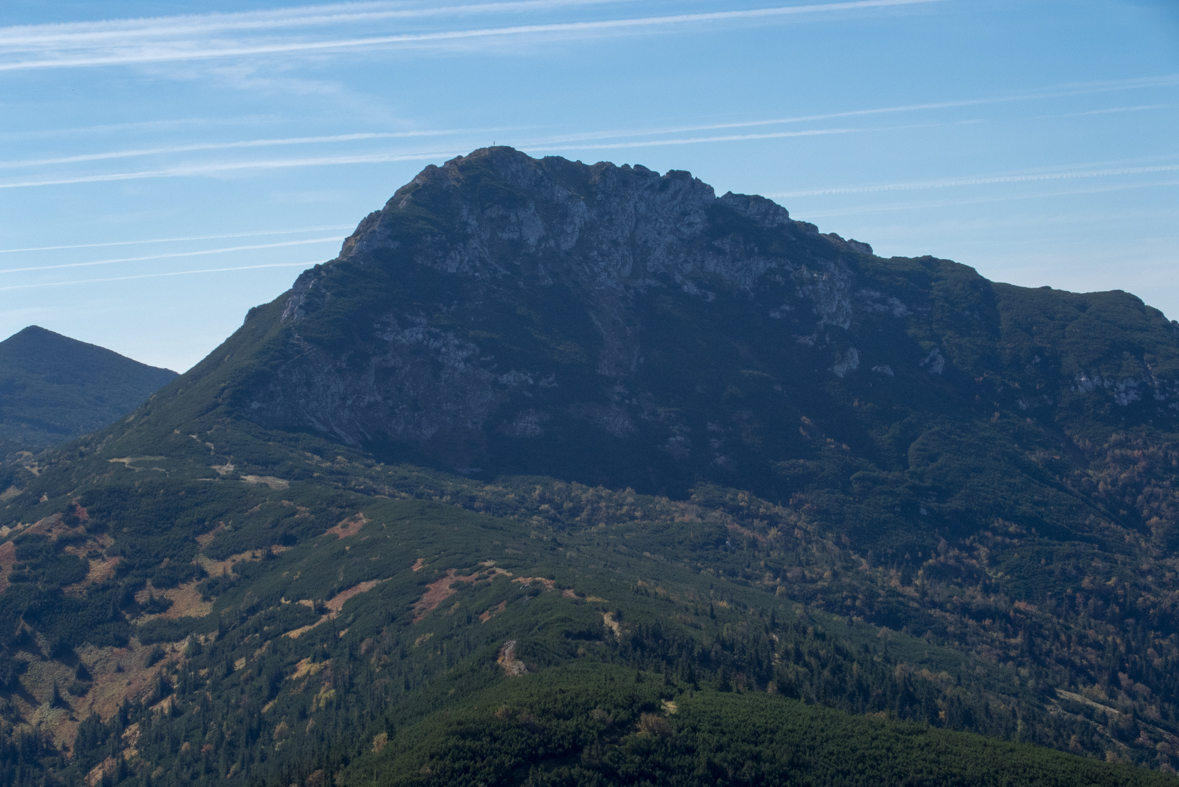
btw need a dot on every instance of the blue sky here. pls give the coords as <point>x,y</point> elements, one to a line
<point>165,166</point>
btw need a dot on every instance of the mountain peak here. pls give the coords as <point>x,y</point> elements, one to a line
<point>854,461</point>
<point>561,212</point>
<point>53,388</point>
<point>500,309</point>
<point>34,334</point>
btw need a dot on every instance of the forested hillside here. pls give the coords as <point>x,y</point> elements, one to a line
<point>582,475</point>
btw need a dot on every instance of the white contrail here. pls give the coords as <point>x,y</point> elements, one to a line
<point>550,142</point>
<point>178,240</point>
<point>387,157</point>
<point>173,255</point>
<point>699,140</point>
<point>172,52</point>
<point>142,125</point>
<point>393,157</point>
<point>248,143</point>
<point>541,146</point>
<point>1109,111</point>
<point>1061,91</point>
<point>82,33</point>
<point>158,275</point>
<point>213,169</point>
<point>893,207</point>
<point>983,181</point>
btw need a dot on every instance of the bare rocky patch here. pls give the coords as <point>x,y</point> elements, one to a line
<point>491,613</point>
<point>335,604</point>
<point>186,602</point>
<point>116,675</point>
<point>511,665</point>
<point>267,480</point>
<point>350,526</point>
<point>218,568</point>
<point>439,591</point>
<point>609,622</point>
<point>7,561</point>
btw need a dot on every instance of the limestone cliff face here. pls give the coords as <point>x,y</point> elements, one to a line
<point>509,314</point>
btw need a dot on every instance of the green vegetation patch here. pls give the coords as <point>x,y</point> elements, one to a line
<point>613,726</point>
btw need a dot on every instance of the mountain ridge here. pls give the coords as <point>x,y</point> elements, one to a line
<point>54,388</point>
<point>512,334</point>
<point>945,501</point>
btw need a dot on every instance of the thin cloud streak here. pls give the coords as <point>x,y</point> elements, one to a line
<point>171,52</point>
<point>699,140</point>
<point>734,137</point>
<point>892,207</point>
<point>143,125</point>
<point>214,169</point>
<point>158,275</point>
<point>179,240</point>
<point>548,143</point>
<point>250,143</point>
<point>380,158</point>
<point>390,157</point>
<point>173,255</point>
<point>1110,111</point>
<point>940,184</point>
<point>537,146</point>
<point>540,146</point>
<point>307,16</point>
<point>1062,91</point>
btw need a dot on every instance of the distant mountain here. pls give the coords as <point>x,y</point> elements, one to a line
<point>608,325</point>
<point>53,388</point>
<point>567,474</point>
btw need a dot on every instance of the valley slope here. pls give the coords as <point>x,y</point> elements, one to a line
<point>550,430</point>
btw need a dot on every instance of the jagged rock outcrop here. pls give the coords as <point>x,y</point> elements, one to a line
<point>508,314</point>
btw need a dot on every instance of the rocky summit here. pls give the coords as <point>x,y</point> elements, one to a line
<point>610,325</point>
<point>527,306</point>
<point>563,474</point>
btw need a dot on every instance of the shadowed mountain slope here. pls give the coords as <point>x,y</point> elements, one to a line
<point>53,388</point>
<point>607,325</point>
<point>569,474</point>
